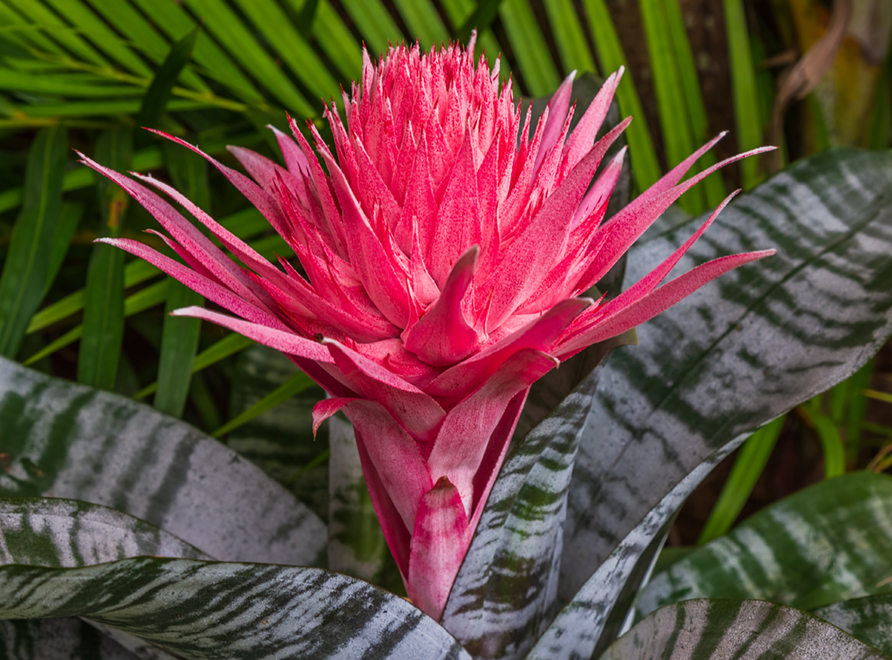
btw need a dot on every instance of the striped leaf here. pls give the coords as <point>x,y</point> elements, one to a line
<point>748,467</point>
<point>869,619</point>
<point>68,533</point>
<point>207,610</point>
<point>593,618</point>
<point>506,586</point>
<point>744,349</point>
<point>713,629</point>
<point>76,442</point>
<point>827,543</point>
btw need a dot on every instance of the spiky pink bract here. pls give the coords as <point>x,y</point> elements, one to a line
<point>444,254</point>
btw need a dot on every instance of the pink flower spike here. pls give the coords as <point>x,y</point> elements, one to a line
<point>601,190</point>
<point>463,378</point>
<point>657,301</point>
<point>627,225</point>
<point>295,160</point>
<point>286,342</point>
<point>197,282</point>
<point>328,407</point>
<point>583,136</point>
<point>558,107</point>
<point>440,540</point>
<point>441,242</point>
<point>650,281</point>
<point>248,188</point>
<point>676,174</point>
<point>417,411</point>
<point>442,336</point>
<point>398,462</point>
<point>192,240</point>
<point>456,451</point>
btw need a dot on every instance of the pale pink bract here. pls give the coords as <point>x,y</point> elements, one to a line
<point>443,262</point>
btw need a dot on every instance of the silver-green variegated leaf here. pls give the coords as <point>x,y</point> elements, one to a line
<point>68,533</point>
<point>507,583</point>
<point>743,349</point>
<point>869,619</point>
<point>752,629</point>
<point>209,610</point>
<point>75,442</point>
<point>583,625</point>
<point>827,543</point>
<point>66,638</point>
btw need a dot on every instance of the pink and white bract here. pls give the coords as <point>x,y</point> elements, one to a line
<point>444,263</point>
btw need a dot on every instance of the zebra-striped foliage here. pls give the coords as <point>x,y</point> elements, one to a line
<point>869,619</point>
<point>743,350</point>
<point>68,533</point>
<point>582,626</point>
<point>202,610</point>
<point>752,629</point>
<point>71,441</point>
<point>827,543</point>
<point>280,440</point>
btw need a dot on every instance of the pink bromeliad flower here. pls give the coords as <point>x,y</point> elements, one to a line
<point>444,260</point>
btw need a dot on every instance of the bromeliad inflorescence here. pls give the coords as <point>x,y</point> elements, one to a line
<point>444,263</point>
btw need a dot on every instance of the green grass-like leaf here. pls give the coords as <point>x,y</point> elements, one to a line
<point>23,282</point>
<point>534,63</point>
<point>423,22</point>
<point>103,327</point>
<point>375,23</point>
<point>645,167</point>
<point>156,98</point>
<point>133,304</point>
<point>570,38</point>
<point>747,110</point>
<point>285,391</point>
<point>229,345</point>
